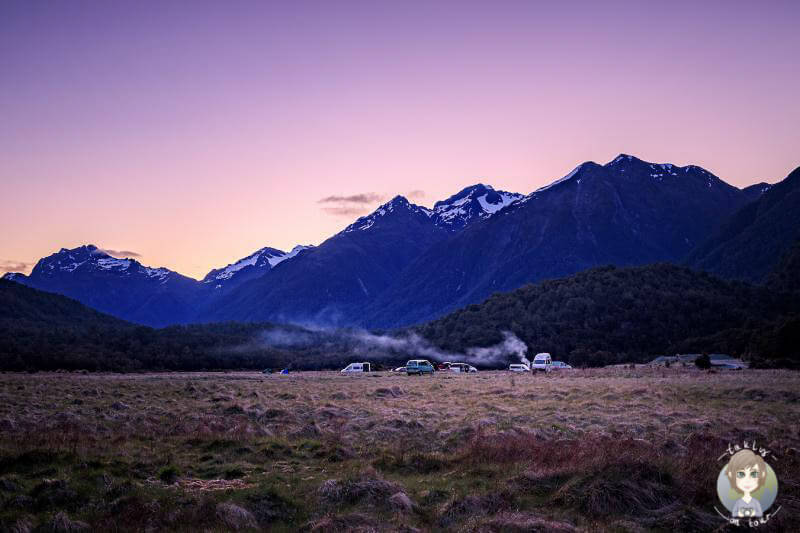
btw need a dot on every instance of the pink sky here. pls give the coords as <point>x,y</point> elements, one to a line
<point>197,133</point>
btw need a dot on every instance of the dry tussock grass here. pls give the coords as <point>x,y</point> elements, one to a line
<point>592,449</point>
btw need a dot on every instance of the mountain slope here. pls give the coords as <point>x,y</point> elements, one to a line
<point>46,331</point>
<point>756,237</point>
<point>23,305</point>
<point>611,315</point>
<point>627,212</point>
<point>786,276</point>
<point>754,191</point>
<point>120,287</point>
<point>331,283</point>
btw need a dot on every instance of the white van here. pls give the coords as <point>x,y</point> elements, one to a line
<point>462,368</point>
<point>519,367</point>
<point>353,368</point>
<point>542,362</point>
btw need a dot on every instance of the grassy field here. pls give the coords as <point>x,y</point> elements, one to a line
<point>609,449</point>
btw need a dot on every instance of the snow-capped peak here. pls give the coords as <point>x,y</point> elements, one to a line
<point>265,258</point>
<point>251,260</point>
<point>396,204</point>
<point>90,258</point>
<point>296,250</point>
<point>471,203</point>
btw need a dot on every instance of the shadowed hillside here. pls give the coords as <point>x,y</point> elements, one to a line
<point>613,315</point>
<point>754,240</point>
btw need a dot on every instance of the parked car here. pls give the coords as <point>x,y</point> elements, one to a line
<point>462,368</point>
<point>399,369</point>
<point>444,366</point>
<point>419,367</point>
<point>519,367</point>
<point>542,363</point>
<point>356,368</point>
<point>561,365</point>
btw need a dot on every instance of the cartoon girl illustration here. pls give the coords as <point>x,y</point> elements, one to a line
<point>746,472</point>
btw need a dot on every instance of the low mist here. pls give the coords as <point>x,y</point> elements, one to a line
<point>362,345</point>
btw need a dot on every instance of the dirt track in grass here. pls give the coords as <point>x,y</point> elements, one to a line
<point>615,449</point>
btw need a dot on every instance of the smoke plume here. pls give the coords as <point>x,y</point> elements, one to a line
<point>368,346</point>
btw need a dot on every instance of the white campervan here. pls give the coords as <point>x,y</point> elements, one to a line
<point>542,362</point>
<point>354,368</point>
<point>462,368</point>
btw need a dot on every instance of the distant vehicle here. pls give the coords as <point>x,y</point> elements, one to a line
<point>356,368</point>
<point>519,367</point>
<point>561,365</point>
<point>419,367</point>
<point>462,368</point>
<point>444,366</point>
<point>285,371</point>
<point>267,371</point>
<point>542,362</point>
<point>399,369</point>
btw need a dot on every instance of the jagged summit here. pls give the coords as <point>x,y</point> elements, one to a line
<point>472,203</point>
<point>624,160</point>
<point>249,267</point>
<point>90,258</point>
<point>478,188</point>
<point>629,167</point>
<point>397,206</point>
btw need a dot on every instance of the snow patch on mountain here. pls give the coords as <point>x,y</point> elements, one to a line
<point>273,261</point>
<point>506,199</point>
<point>472,203</point>
<point>232,269</point>
<point>110,263</point>
<point>158,273</point>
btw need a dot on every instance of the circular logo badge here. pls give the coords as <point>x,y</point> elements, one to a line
<point>747,486</point>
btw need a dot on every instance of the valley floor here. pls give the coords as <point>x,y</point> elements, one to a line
<point>607,449</point>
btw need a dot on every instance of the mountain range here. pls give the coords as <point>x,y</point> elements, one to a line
<point>405,264</point>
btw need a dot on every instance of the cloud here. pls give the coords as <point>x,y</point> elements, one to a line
<point>10,265</point>
<point>120,253</point>
<point>363,198</point>
<point>416,194</point>
<point>346,211</point>
<point>351,205</point>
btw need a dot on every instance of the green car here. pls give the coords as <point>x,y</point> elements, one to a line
<point>419,367</point>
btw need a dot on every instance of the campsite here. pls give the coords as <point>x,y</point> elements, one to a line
<point>402,266</point>
<point>614,449</point>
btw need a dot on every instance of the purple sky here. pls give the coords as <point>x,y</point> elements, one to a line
<point>193,133</point>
